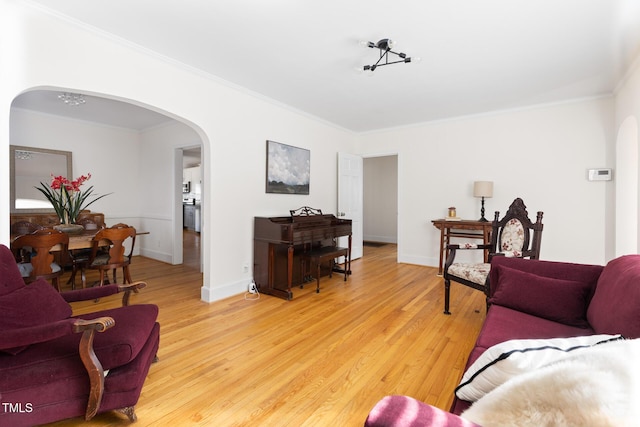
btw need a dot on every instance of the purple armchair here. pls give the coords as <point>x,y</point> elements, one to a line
<point>55,366</point>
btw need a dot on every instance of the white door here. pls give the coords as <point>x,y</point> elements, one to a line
<point>350,198</point>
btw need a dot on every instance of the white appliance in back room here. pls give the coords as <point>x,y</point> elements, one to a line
<point>191,195</point>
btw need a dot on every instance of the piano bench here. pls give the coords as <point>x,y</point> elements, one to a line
<point>326,253</point>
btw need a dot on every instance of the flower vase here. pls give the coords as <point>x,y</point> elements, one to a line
<point>69,228</point>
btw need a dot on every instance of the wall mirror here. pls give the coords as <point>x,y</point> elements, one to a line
<point>29,167</point>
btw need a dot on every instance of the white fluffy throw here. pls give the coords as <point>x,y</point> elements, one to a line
<point>596,387</point>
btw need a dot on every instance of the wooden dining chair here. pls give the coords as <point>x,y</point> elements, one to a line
<point>24,227</point>
<point>35,257</point>
<point>80,257</point>
<point>117,238</point>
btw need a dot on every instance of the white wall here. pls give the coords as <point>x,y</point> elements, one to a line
<point>539,154</point>
<point>111,155</point>
<point>159,192</point>
<point>39,51</point>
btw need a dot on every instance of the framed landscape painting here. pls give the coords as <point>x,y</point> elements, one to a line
<point>288,169</point>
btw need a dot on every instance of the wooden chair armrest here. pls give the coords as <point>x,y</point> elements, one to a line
<point>99,324</point>
<point>453,248</point>
<point>128,288</point>
<point>90,361</point>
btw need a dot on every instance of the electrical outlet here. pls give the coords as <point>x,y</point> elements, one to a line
<point>245,267</point>
<point>253,288</point>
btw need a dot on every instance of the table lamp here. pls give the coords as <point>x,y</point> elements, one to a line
<point>483,189</point>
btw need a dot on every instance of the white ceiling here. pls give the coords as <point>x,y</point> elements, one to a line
<point>95,109</point>
<point>476,55</point>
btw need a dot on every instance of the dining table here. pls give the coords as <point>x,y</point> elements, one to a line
<point>83,240</point>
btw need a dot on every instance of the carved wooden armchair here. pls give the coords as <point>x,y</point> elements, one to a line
<point>512,236</point>
<point>54,365</point>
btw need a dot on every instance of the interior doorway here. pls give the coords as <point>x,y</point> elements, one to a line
<point>192,194</point>
<point>380,200</point>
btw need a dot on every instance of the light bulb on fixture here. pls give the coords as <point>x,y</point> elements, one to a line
<point>72,99</point>
<point>23,155</point>
<point>385,44</point>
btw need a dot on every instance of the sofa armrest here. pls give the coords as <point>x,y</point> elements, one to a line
<point>402,411</point>
<point>103,291</point>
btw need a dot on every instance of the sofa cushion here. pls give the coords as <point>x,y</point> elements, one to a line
<point>503,324</point>
<point>510,358</point>
<point>121,344</point>
<point>405,411</point>
<point>595,386</point>
<point>560,270</point>
<point>614,306</point>
<point>32,305</point>
<point>560,300</point>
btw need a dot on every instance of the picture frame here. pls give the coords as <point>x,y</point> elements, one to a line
<point>288,169</point>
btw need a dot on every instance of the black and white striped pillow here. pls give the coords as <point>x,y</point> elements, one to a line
<point>510,358</point>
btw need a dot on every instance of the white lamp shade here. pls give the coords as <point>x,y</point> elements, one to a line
<point>483,189</point>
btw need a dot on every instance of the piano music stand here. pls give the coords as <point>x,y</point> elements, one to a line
<point>305,211</point>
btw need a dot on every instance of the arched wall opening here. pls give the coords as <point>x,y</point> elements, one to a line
<point>627,188</point>
<point>140,167</point>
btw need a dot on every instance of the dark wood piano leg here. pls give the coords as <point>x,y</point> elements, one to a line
<point>290,271</point>
<point>348,261</point>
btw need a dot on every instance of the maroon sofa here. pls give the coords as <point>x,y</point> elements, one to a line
<point>533,299</point>
<point>55,366</point>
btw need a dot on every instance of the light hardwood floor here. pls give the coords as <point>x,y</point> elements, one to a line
<point>319,360</point>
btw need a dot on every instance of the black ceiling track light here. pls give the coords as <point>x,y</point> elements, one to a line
<point>385,46</point>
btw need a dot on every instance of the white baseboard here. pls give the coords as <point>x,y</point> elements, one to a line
<point>418,260</point>
<point>380,239</point>
<point>159,256</point>
<point>214,294</point>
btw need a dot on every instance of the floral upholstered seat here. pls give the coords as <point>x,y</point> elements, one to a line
<point>513,236</point>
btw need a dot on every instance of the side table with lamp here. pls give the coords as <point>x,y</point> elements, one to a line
<point>461,228</point>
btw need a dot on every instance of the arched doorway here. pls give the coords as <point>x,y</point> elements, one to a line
<point>627,188</point>
<point>131,146</point>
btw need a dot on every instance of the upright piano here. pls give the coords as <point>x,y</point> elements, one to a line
<point>280,242</point>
